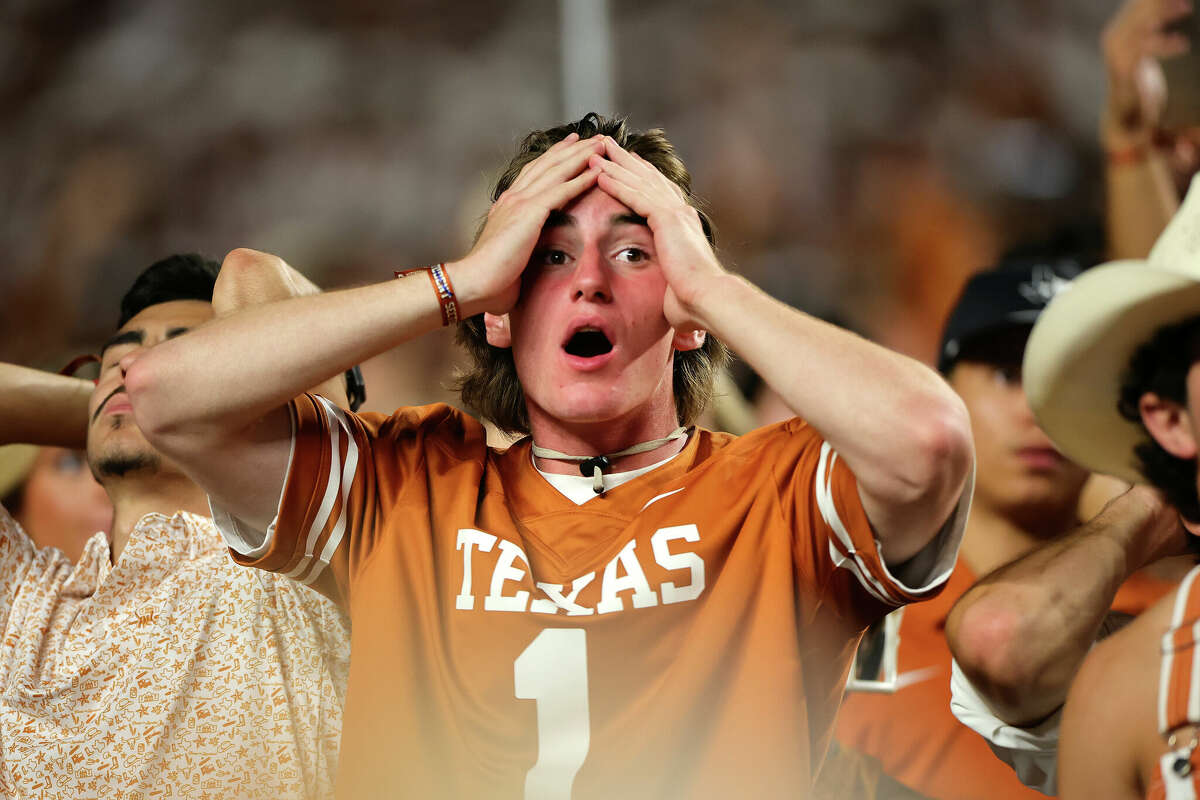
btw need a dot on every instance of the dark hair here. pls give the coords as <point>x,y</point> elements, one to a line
<point>1161,366</point>
<point>14,501</point>
<point>184,276</point>
<point>491,387</point>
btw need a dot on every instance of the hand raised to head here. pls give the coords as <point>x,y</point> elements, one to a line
<point>682,249</point>
<point>492,270</point>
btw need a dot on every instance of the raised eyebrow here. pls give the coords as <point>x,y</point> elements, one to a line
<point>124,337</point>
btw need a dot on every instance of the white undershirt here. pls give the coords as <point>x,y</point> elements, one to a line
<point>578,488</point>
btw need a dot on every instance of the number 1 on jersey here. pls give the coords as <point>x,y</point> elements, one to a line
<point>552,670</point>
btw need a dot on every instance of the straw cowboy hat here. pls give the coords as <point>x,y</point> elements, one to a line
<point>16,460</point>
<point>1084,340</point>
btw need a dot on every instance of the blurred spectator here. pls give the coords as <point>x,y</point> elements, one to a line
<point>1026,494</point>
<point>1018,637</point>
<point>50,491</point>
<point>1144,164</point>
<point>1111,370</point>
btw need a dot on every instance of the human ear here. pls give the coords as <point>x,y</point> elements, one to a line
<point>497,330</point>
<point>688,340</point>
<point>1169,424</point>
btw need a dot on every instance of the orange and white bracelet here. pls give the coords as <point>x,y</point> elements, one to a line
<point>441,287</point>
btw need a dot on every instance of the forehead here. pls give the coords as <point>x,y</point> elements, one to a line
<point>172,314</point>
<point>593,207</point>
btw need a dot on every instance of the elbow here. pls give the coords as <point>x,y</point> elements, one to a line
<point>247,278</point>
<point>987,640</point>
<point>938,453</point>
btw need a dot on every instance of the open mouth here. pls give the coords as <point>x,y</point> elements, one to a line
<point>588,343</point>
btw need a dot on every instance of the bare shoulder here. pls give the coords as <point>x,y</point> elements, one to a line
<point>1109,731</point>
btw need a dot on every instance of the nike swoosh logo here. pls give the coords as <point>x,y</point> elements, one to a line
<point>656,498</point>
<point>906,679</point>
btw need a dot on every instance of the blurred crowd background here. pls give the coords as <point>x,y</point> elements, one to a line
<point>860,157</point>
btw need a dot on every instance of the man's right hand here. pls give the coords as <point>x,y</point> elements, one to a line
<point>1132,42</point>
<point>489,277</point>
<point>1164,534</point>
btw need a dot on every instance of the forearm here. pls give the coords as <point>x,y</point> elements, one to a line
<point>225,375</point>
<point>1022,632</point>
<point>1141,201</point>
<point>898,426</point>
<point>42,408</point>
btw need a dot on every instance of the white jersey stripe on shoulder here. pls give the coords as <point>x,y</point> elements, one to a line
<point>1181,598</point>
<point>1194,685</point>
<point>321,518</point>
<point>842,562</point>
<point>1164,683</point>
<point>828,510</point>
<point>1168,649</point>
<point>349,468</point>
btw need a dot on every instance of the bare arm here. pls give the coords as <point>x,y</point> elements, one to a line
<point>1141,190</point>
<point>186,396</point>
<point>215,399</point>
<point>1141,201</point>
<point>1021,632</point>
<point>42,408</point>
<point>898,426</point>
<point>1109,722</point>
<point>255,279</point>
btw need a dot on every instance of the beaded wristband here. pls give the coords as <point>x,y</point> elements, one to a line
<point>441,287</point>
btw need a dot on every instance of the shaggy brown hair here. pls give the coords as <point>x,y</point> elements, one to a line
<point>491,388</point>
<point>1161,366</point>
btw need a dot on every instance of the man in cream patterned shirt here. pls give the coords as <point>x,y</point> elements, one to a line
<point>155,667</point>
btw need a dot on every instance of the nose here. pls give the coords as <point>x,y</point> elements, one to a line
<point>590,280</point>
<point>1022,408</point>
<point>127,361</point>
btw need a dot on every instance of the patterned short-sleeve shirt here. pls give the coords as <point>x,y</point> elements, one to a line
<point>174,673</point>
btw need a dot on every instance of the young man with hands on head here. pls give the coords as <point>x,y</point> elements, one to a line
<point>675,621</point>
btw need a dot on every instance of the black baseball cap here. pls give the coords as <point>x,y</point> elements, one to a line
<point>1001,300</point>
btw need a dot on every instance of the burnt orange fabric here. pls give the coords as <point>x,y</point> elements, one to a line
<point>913,732</point>
<point>686,634</point>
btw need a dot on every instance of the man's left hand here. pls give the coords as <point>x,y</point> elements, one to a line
<point>687,259</point>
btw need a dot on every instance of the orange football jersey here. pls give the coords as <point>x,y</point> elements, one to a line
<point>685,634</point>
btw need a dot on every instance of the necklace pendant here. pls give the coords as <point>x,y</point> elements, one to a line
<point>588,468</point>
